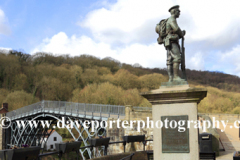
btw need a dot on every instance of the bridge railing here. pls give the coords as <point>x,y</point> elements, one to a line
<point>24,110</point>
<point>68,108</point>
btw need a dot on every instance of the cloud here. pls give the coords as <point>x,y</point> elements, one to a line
<point>217,24</point>
<point>125,30</point>
<point>75,46</point>
<point>4,27</point>
<point>127,21</point>
<point>196,62</point>
<point>231,58</point>
<point>151,55</point>
<point>5,50</point>
<point>131,21</point>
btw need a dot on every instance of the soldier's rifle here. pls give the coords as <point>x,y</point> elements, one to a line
<point>183,60</point>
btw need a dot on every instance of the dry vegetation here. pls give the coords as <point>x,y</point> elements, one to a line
<point>26,79</point>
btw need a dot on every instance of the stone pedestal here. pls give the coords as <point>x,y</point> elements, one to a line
<point>176,104</point>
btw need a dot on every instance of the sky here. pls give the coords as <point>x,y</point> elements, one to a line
<point>124,30</point>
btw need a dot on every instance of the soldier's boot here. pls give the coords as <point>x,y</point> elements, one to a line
<point>175,72</point>
<point>170,72</point>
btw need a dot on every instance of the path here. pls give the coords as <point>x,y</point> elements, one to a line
<point>230,140</point>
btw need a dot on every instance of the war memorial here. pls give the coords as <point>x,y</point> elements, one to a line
<point>174,100</point>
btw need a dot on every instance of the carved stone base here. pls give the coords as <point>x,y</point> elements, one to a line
<point>175,102</point>
<point>173,83</point>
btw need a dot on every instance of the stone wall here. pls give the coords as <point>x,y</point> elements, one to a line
<point>117,134</point>
<point>230,117</point>
<point>134,115</point>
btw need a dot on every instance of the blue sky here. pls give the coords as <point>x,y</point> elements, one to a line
<point>30,21</point>
<point>124,30</point>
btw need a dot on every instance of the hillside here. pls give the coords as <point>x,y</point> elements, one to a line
<point>26,79</point>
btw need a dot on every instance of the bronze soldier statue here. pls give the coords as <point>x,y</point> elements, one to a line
<point>169,35</point>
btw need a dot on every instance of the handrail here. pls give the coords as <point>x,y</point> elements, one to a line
<point>116,142</point>
<point>69,108</point>
<point>72,109</point>
<point>89,146</point>
<point>47,154</point>
<point>128,157</point>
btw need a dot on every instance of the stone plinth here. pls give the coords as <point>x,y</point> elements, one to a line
<point>175,103</point>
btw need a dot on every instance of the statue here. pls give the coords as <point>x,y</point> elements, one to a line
<point>169,35</point>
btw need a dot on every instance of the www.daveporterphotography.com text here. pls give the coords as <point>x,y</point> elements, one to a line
<point>180,125</point>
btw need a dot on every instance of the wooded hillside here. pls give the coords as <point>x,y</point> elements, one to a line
<point>26,79</point>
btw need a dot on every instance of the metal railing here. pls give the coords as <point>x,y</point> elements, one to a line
<point>128,157</point>
<point>90,146</point>
<point>68,108</point>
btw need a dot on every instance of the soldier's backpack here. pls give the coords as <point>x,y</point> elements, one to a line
<point>161,30</point>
